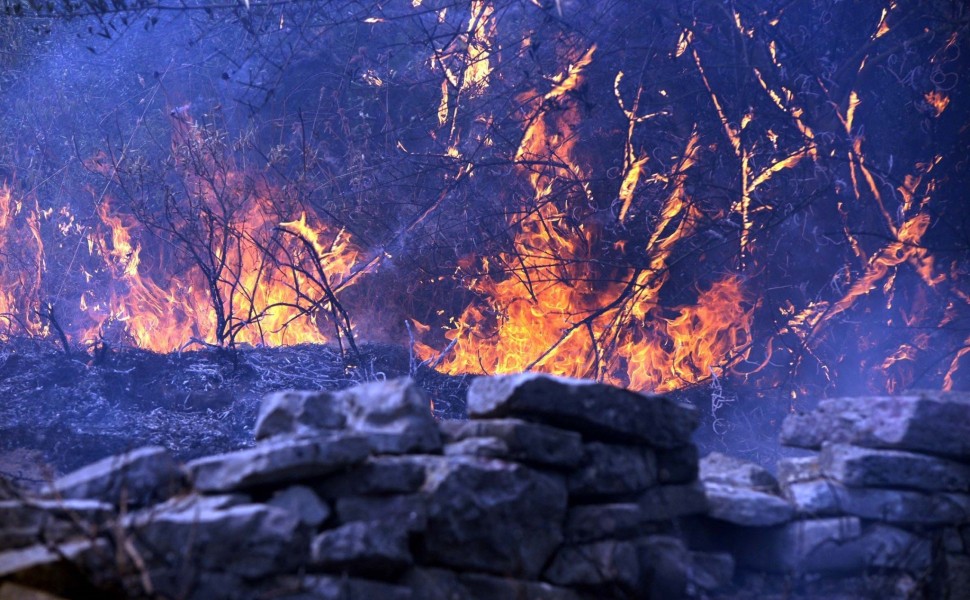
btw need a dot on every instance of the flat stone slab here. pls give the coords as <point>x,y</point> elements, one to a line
<point>596,410</point>
<point>829,498</point>
<point>727,470</point>
<point>611,470</point>
<point>798,468</point>
<point>54,570</point>
<point>932,422</point>
<point>531,443</point>
<point>388,474</point>
<point>868,467</point>
<point>396,415</point>
<point>277,461</point>
<point>24,522</point>
<point>362,548</point>
<point>744,506</point>
<point>137,478</point>
<point>214,534</point>
<point>303,503</point>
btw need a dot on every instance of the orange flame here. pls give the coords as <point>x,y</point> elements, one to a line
<point>550,305</point>
<point>21,266</point>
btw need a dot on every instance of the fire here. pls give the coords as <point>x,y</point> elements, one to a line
<point>22,266</point>
<point>550,305</point>
<point>249,277</point>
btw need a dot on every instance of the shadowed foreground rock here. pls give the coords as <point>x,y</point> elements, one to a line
<point>556,489</point>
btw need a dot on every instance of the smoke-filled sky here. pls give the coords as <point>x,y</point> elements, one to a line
<point>659,196</point>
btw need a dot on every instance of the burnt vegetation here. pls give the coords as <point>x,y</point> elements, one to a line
<point>664,196</point>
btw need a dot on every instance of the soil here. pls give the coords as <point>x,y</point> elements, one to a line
<point>59,412</point>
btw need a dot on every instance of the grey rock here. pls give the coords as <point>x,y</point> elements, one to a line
<point>363,548</point>
<point>932,422</point>
<point>665,565</point>
<point>957,576</point>
<point>677,465</point>
<point>408,511</point>
<point>59,570</point>
<point>744,506</point>
<point>815,498</point>
<point>303,503</point>
<point>605,565</point>
<point>709,571</point>
<point>796,469</point>
<point>277,461</point>
<point>193,537</point>
<point>440,583</point>
<point>867,467</point>
<point>531,443</point>
<point>299,413</point>
<point>376,475</point>
<point>137,478</point>
<point>612,470</point>
<point>325,587</point>
<point>618,521</point>
<point>395,415</point>
<point>25,522</point>
<point>727,470</point>
<point>665,502</point>
<point>823,497</point>
<point>596,410</point>
<point>492,516</point>
<point>839,545</point>
<point>953,541</point>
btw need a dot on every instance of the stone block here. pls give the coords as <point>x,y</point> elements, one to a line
<point>824,497</point>
<point>607,565</point>
<point>492,516</point>
<point>193,536</point>
<point>797,469</point>
<point>395,414</point>
<point>363,548</point>
<point>868,467</point>
<point>709,572</point>
<point>596,410</point>
<point>530,443</point>
<point>744,506</point>
<point>303,503</point>
<point>609,470</point>
<point>727,470</point>
<point>277,462</point>
<point>409,511</point>
<point>26,522</point>
<point>931,422</point>
<point>376,475</point>
<point>137,478</point>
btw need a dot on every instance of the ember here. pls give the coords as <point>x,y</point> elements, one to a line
<point>767,196</point>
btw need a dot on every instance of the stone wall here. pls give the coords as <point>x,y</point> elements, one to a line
<point>553,489</point>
